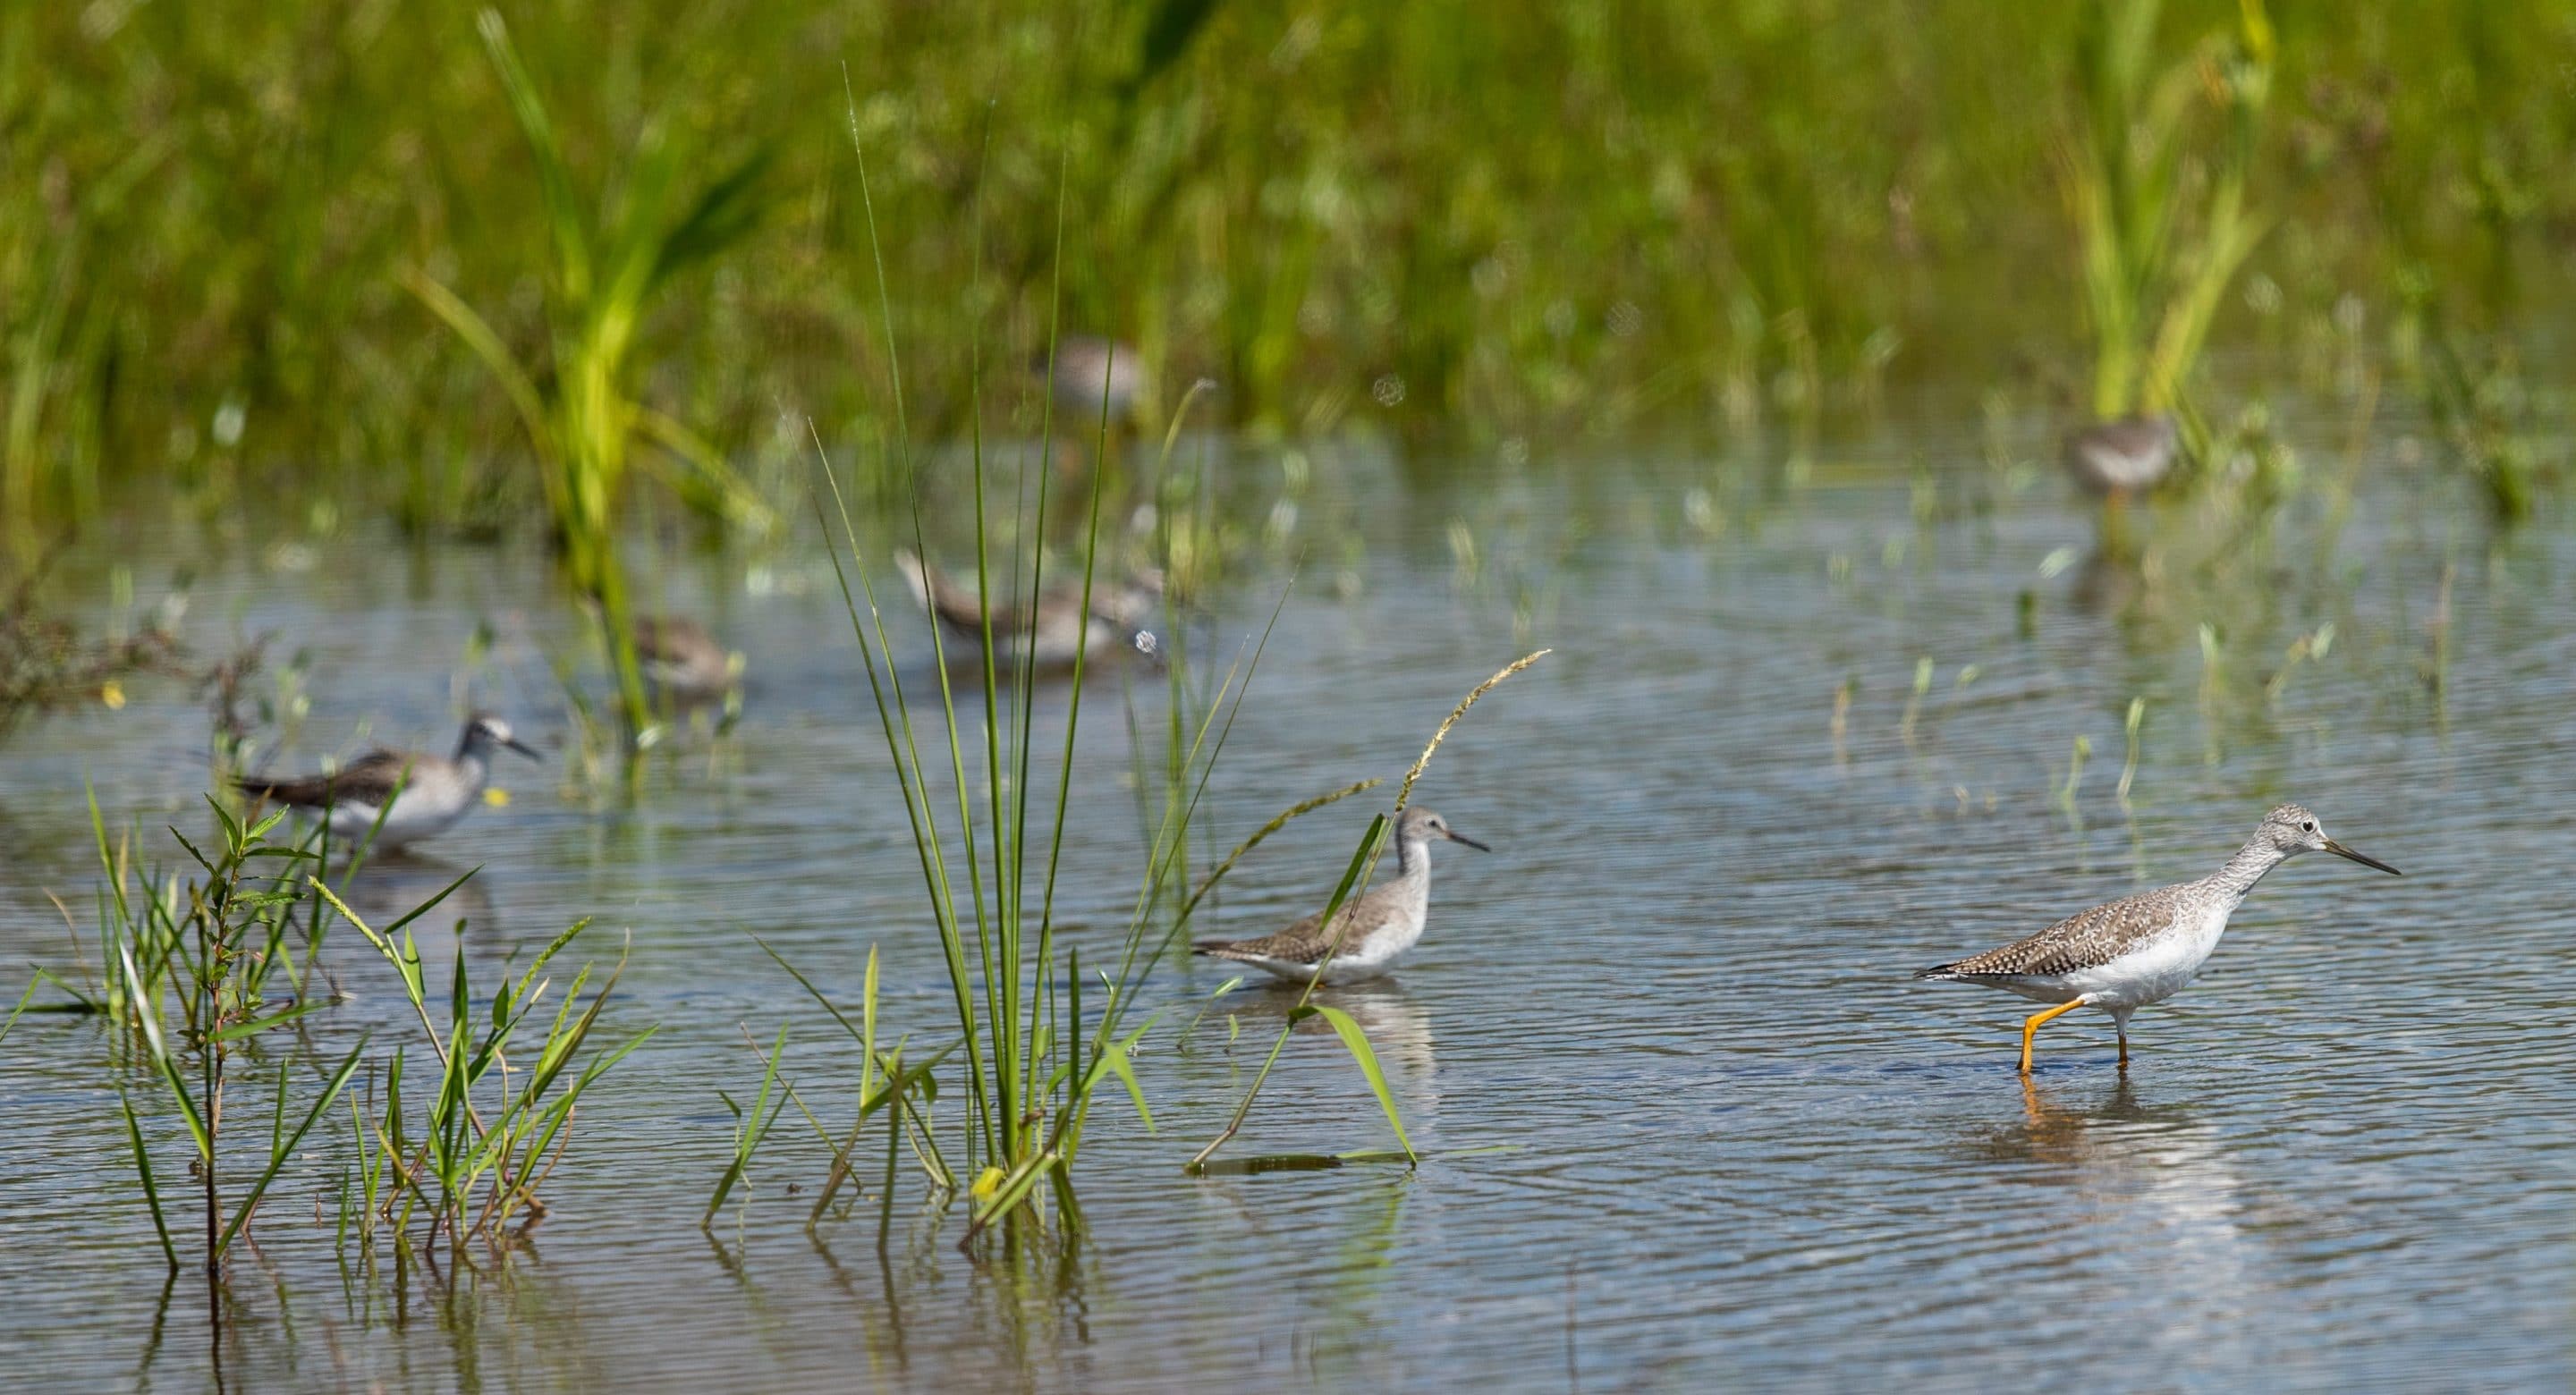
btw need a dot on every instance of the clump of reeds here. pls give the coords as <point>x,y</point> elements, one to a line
<point>608,270</point>
<point>1034,1053</point>
<point>2162,223</point>
<point>190,972</point>
<point>198,969</point>
<point>470,1158</point>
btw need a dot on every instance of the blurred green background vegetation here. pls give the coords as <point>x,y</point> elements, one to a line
<point>224,224</point>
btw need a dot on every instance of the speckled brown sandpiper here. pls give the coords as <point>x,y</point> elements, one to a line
<point>1057,628</point>
<point>1367,935</point>
<point>428,793</point>
<point>2124,954</point>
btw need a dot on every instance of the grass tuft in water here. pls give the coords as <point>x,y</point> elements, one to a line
<point>499,1116</point>
<point>608,270</point>
<point>2159,238</point>
<point>1033,1058</point>
<point>210,943</point>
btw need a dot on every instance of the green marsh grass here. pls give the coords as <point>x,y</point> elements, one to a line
<point>1661,216</point>
<point>1034,1057</point>
<point>886,1085</point>
<point>582,416</point>
<point>189,974</point>
<point>200,969</point>
<point>499,1116</point>
<point>2162,227</point>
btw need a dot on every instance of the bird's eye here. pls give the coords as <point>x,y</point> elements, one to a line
<point>2308,827</point>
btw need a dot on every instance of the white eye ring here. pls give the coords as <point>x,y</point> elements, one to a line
<point>2309,827</point>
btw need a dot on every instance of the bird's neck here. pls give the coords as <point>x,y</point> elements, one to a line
<point>1413,858</point>
<point>474,759</point>
<point>2248,866</point>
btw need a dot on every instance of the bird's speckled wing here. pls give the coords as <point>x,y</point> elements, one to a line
<point>2085,940</point>
<point>956,605</point>
<point>1305,942</point>
<point>370,779</point>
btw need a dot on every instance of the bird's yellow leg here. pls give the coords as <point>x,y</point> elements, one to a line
<point>2031,1028</point>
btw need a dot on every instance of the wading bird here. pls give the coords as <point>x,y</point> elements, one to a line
<point>2124,954</point>
<point>428,793</point>
<point>2124,457</point>
<point>1118,614</point>
<point>684,661</point>
<point>1371,933</point>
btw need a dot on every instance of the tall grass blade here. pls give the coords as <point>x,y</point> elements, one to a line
<point>749,1131</point>
<point>1358,1044</point>
<point>278,1154</point>
<point>143,1169</point>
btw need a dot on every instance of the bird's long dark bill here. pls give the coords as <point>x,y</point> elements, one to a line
<point>530,752</point>
<point>2340,850</point>
<point>1470,842</point>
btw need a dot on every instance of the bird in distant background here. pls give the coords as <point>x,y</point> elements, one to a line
<point>685,661</point>
<point>2124,457</point>
<point>1087,371</point>
<point>1118,616</point>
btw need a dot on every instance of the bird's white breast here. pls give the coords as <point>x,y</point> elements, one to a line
<point>2161,966</point>
<point>430,804</point>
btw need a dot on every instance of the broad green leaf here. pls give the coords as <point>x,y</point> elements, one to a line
<point>1357,1040</point>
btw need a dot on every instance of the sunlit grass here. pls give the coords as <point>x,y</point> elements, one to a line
<point>1682,217</point>
<point>2163,224</point>
<point>608,268</point>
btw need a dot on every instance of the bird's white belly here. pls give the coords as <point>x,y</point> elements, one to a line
<point>1341,970</point>
<point>412,817</point>
<point>1367,959</point>
<point>2157,969</point>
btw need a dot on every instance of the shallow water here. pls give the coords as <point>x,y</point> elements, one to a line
<point>1688,1120</point>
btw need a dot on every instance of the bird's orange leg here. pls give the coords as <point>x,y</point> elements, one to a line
<point>2030,1028</point>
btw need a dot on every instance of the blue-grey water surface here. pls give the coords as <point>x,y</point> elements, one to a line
<point>1689,1122</point>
